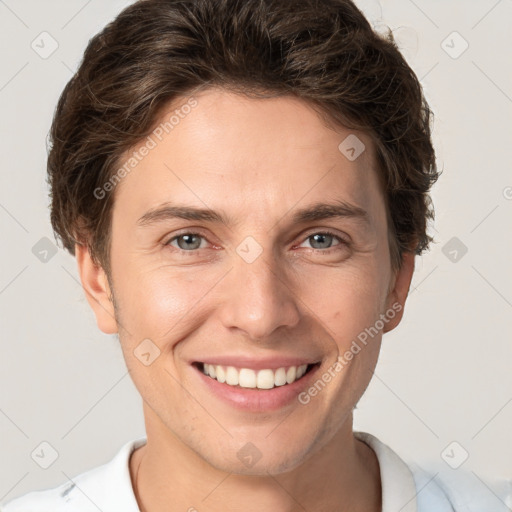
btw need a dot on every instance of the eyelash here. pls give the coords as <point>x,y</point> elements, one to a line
<point>342,242</point>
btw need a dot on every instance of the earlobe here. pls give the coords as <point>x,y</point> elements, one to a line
<point>95,284</point>
<point>398,295</point>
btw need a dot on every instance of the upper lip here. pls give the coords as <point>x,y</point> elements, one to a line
<point>272,363</point>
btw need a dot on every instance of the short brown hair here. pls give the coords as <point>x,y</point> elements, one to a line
<point>324,52</point>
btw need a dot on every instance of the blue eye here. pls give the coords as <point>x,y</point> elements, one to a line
<point>187,241</point>
<point>324,240</point>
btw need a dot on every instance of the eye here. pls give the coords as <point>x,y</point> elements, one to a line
<point>324,240</point>
<point>320,241</point>
<point>187,241</point>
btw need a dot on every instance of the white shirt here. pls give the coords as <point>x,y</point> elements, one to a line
<point>405,488</point>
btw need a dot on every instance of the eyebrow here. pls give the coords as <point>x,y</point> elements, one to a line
<point>315,212</point>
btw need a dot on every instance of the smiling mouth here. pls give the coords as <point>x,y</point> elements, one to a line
<point>263,379</point>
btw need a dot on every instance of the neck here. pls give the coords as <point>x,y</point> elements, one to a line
<point>343,475</point>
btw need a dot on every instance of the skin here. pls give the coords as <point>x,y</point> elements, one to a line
<point>258,161</point>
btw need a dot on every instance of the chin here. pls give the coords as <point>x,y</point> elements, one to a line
<point>258,458</point>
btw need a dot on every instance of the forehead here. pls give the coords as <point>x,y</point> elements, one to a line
<point>252,155</point>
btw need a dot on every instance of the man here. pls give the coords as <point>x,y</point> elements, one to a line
<point>245,186</point>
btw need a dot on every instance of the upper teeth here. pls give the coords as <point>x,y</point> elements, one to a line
<point>247,378</point>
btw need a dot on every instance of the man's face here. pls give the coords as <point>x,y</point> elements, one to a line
<point>265,289</point>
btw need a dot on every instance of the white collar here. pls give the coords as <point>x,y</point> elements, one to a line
<point>109,488</point>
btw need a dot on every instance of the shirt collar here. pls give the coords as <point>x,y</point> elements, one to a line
<point>397,481</point>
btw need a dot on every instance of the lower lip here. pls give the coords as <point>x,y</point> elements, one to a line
<point>257,400</point>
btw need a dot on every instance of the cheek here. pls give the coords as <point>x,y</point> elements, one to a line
<point>161,303</point>
<point>346,300</point>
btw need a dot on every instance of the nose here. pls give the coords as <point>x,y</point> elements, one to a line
<point>258,299</point>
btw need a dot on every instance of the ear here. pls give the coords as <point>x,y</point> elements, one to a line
<point>400,288</point>
<point>97,290</point>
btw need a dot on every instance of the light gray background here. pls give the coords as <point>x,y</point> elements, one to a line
<point>444,374</point>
